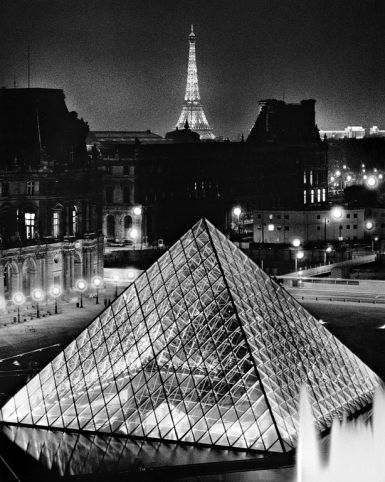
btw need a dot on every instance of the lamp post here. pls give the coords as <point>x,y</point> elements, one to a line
<point>97,282</point>
<point>369,225</point>
<point>37,295</point>
<point>116,279</point>
<point>55,292</point>
<point>327,251</point>
<point>18,299</point>
<point>296,243</point>
<point>81,285</point>
<point>237,211</point>
<point>337,214</point>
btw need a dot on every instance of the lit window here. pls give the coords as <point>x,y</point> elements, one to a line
<point>304,197</point>
<point>56,224</point>
<point>270,216</point>
<point>319,195</point>
<point>29,222</point>
<point>311,178</point>
<point>30,188</point>
<point>270,227</point>
<point>312,196</point>
<point>323,195</point>
<point>304,177</point>
<point>74,221</point>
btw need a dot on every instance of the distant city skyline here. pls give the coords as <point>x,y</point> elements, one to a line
<point>122,65</point>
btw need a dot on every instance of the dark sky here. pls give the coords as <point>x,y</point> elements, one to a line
<point>123,63</point>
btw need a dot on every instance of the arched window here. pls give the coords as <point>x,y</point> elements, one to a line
<point>56,220</point>
<point>75,220</point>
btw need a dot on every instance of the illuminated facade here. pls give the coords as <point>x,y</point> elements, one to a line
<point>202,348</point>
<point>192,111</point>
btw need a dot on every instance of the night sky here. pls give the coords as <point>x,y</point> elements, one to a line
<point>122,63</point>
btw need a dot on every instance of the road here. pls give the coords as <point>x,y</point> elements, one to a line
<point>336,294</point>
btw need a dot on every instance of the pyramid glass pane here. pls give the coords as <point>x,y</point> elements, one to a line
<point>203,348</point>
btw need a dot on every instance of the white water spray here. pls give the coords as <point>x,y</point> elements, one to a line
<point>356,452</point>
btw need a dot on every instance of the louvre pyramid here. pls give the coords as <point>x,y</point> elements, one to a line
<point>203,348</point>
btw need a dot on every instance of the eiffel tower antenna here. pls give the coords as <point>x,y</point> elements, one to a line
<point>192,110</point>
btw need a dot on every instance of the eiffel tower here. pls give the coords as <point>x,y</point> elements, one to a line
<point>192,110</point>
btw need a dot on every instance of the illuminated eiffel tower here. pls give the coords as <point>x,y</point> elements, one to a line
<point>192,111</point>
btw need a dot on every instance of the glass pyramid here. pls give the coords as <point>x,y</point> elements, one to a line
<point>203,348</point>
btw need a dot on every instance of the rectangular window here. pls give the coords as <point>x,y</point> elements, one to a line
<point>56,224</point>
<point>286,216</point>
<point>270,227</point>
<point>318,228</point>
<point>304,196</point>
<point>319,195</point>
<point>312,196</point>
<point>304,177</point>
<point>311,178</point>
<point>286,228</point>
<point>355,226</point>
<point>30,188</point>
<point>323,195</point>
<point>29,222</point>
<point>354,215</point>
<point>318,216</point>
<point>259,216</point>
<point>4,188</point>
<point>348,216</point>
<point>348,226</point>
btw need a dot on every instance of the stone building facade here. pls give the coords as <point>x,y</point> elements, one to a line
<point>50,203</point>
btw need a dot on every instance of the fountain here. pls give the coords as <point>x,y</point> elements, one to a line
<point>356,449</point>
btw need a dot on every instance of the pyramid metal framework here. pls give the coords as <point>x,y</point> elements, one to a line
<point>192,111</point>
<point>202,348</point>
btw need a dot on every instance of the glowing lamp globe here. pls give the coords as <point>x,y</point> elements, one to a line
<point>131,275</point>
<point>37,294</point>
<point>237,211</point>
<point>97,281</point>
<point>18,298</point>
<point>371,181</point>
<point>337,212</point>
<point>55,291</point>
<point>134,233</point>
<point>296,242</point>
<point>369,225</point>
<point>300,254</point>
<point>81,285</point>
<point>137,211</point>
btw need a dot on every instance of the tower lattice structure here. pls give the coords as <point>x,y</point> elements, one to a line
<point>192,110</point>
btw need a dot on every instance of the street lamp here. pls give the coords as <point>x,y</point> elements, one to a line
<point>18,299</point>
<point>81,285</point>
<point>237,211</point>
<point>131,275</point>
<point>337,213</point>
<point>37,295</point>
<point>327,251</point>
<point>97,282</point>
<point>369,225</point>
<point>116,279</point>
<point>55,291</point>
<point>137,210</point>
<point>296,243</point>
<point>371,182</point>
